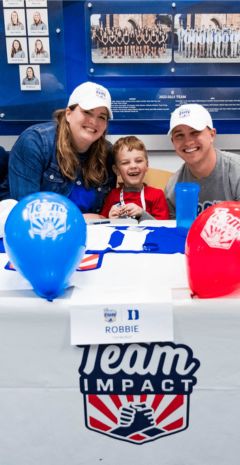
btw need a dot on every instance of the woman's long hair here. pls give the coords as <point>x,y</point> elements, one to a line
<point>13,50</point>
<point>40,19</point>
<point>33,74</point>
<point>38,51</point>
<point>94,170</point>
<point>16,14</point>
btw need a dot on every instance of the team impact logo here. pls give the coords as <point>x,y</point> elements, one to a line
<point>47,219</point>
<point>137,392</point>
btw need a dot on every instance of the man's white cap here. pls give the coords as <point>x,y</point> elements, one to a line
<point>193,115</point>
<point>90,95</point>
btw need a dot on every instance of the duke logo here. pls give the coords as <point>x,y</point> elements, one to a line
<point>47,219</point>
<point>137,392</point>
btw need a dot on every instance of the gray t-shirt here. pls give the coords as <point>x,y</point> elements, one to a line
<point>222,184</point>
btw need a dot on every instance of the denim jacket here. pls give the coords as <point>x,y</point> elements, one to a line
<point>33,167</point>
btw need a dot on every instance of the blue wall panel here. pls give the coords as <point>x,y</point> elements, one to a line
<point>73,66</point>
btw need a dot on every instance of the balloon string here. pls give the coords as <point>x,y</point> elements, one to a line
<point>193,295</point>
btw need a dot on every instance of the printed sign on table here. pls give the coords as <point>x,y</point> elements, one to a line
<point>137,392</point>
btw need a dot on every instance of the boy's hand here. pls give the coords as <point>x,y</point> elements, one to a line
<point>132,210</point>
<point>115,211</point>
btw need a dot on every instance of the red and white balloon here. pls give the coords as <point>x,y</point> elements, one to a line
<point>213,251</point>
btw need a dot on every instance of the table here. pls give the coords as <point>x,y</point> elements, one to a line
<point>43,418</point>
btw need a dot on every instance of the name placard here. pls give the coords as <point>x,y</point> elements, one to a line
<point>131,321</point>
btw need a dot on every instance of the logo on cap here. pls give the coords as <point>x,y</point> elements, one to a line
<point>101,93</point>
<point>184,113</point>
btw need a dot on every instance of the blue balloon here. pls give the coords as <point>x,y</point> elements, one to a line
<point>45,238</point>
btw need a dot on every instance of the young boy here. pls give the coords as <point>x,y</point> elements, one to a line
<point>133,198</point>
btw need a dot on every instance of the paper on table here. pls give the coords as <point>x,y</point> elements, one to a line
<point>119,319</point>
<point>136,270</point>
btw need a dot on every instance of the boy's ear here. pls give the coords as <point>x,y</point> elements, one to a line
<point>115,170</point>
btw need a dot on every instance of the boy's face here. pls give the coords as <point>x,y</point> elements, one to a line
<point>132,166</point>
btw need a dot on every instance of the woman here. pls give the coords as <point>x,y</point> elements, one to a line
<point>16,50</point>
<point>15,24</point>
<point>30,77</point>
<point>69,156</point>
<point>39,51</point>
<point>38,24</point>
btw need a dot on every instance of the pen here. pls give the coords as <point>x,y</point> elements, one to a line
<point>99,222</point>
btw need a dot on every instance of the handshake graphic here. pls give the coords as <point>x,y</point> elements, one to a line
<point>136,418</point>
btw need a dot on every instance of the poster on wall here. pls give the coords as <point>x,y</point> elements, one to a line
<point>32,54</point>
<point>13,3</point>
<point>16,50</point>
<point>37,21</point>
<point>15,23</point>
<point>132,38</point>
<point>158,103</point>
<point>151,39</point>
<point>207,38</point>
<point>129,39</point>
<point>30,78</point>
<point>39,50</point>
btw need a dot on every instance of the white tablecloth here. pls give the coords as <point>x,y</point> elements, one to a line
<point>42,418</point>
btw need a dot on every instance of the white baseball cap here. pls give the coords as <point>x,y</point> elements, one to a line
<point>90,95</point>
<point>193,115</point>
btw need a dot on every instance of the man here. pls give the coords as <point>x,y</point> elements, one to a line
<point>217,43</point>
<point>187,42</point>
<point>180,34</point>
<point>210,39</point>
<point>217,172</point>
<point>233,42</point>
<point>225,41</point>
<point>202,42</point>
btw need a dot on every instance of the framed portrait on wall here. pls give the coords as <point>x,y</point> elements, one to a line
<point>14,20</point>
<point>37,22</point>
<point>36,3</point>
<point>13,3</point>
<point>33,60</point>
<point>30,79</point>
<point>187,38</point>
<point>39,50</point>
<point>207,38</point>
<point>17,51</point>
<point>129,38</point>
